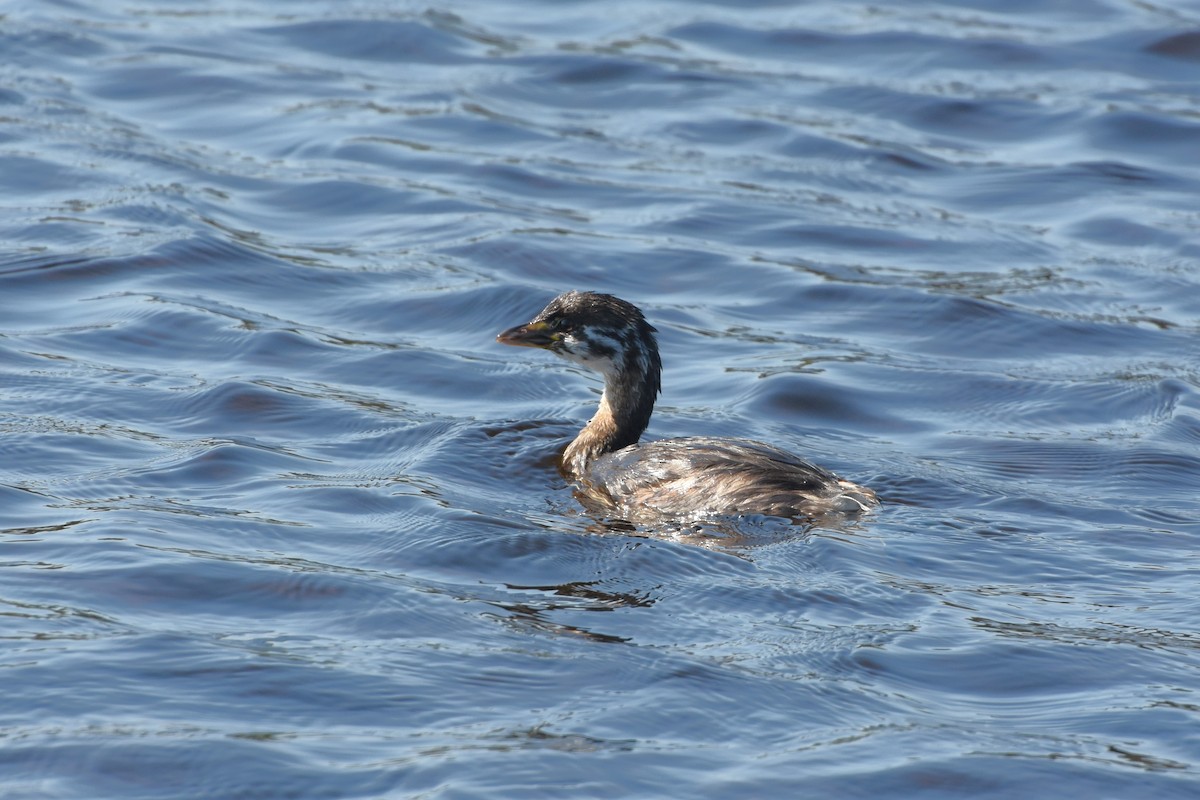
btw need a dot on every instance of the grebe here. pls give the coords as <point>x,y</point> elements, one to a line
<point>679,479</point>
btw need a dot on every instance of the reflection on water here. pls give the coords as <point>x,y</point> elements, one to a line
<point>280,519</point>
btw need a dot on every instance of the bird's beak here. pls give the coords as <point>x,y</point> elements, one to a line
<point>532,334</point>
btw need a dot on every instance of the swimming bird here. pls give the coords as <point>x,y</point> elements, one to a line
<point>684,479</point>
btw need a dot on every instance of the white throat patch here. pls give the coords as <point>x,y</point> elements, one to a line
<point>599,351</point>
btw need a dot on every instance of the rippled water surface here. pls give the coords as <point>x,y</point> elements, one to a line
<point>281,519</point>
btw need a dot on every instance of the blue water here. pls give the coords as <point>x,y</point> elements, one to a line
<point>280,519</point>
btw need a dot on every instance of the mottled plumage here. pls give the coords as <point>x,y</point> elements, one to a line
<point>679,479</point>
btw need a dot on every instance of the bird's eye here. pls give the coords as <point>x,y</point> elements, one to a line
<point>557,324</point>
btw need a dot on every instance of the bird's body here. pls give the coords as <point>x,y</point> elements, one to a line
<point>701,477</point>
<point>678,479</point>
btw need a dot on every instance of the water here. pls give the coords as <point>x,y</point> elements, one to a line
<point>280,518</point>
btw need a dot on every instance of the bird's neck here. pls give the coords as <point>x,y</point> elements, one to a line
<point>623,415</point>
